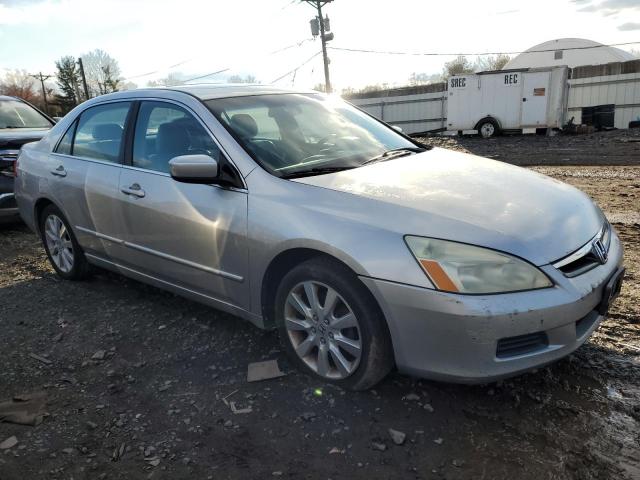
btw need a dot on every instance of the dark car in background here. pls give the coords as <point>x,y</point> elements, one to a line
<point>20,123</point>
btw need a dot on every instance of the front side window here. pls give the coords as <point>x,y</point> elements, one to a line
<point>17,114</point>
<point>100,132</point>
<point>164,131</point>
<point>299,134</point>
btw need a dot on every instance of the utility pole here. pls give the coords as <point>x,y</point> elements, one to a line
<point>84,79</point>
<point>42,78</point>
<point>324,38</point>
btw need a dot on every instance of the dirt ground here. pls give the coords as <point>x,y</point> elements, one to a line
<point>616,147</point>
<point>136,380</point>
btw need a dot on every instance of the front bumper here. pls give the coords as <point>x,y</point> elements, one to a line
<point>462,338</point>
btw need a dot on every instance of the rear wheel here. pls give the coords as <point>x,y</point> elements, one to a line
<point>331,327</point>
<point>488,128</point>
<point>60,243</point>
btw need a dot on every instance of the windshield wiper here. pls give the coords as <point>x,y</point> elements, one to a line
<point>315,171</point>
<point>394,153</point>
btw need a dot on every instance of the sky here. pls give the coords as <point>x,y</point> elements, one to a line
<point>190,38</point>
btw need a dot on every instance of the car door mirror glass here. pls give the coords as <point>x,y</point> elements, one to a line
<point>194,168</point>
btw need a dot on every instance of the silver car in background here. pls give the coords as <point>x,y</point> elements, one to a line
<point>297,211</point>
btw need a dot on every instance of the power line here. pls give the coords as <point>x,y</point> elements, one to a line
<point>207,75</point>
<point>297,68</point>
<point>439,54</point>
<point>159,70</point>
<point>297,44</point>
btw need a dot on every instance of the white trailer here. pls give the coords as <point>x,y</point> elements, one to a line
<point>490,102</point>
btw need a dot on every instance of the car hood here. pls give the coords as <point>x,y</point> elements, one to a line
<point>14,138</point>
<point>456,196</point>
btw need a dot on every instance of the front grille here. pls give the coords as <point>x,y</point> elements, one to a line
<point>7,158</point>
<point>584,259</point>
<point>579,266</point>
<point>521,345</point>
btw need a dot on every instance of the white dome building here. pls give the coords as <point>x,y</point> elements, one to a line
<point>558,52</point>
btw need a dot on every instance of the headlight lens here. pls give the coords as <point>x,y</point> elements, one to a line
<point>457,267</point>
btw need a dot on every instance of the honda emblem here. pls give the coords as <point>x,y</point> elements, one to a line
<point>599,251</point>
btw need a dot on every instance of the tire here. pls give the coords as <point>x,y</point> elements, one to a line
<point>488,128</point>
<point>64,252</point>
<point>346,341</point>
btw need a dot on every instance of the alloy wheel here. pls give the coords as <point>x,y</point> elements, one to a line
<point>59,243</point>
<point>323,330</point>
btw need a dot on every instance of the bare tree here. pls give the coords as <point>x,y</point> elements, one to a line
<point>102,72</point>
<point>18,83</point>
<point>491,62</point>
<point>172,79</point>
<point>319,87</point>
<point>458,66</point>
<point>240,79</point>
<point>424,78</point>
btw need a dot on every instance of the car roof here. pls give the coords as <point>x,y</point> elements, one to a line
<point>208,91</point>
<point>7,97</point>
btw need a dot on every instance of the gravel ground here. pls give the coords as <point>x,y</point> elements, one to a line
<point>137,378</point>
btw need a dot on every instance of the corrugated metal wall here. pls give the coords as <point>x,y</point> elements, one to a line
<point>413,109</point>
<point>621,90</point>
<point>423,108</point>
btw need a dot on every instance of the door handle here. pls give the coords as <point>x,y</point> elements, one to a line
<point>59,172</point>
<point>524,99</point>
<point>135,190</point>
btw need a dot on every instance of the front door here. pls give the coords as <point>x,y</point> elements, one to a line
<point>535,96</point>
<point>190,235</point>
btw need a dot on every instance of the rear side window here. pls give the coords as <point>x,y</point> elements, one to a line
<point>164,131</point>
<point>100,132</point>
<point>64,147</point>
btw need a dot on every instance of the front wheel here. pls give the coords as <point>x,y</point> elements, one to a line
<point>62,248</point>
<point>331,326</point>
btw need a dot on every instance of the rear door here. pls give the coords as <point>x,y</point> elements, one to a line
<point>85,170</point>
<point>190,235</point>
<point>535,97</point>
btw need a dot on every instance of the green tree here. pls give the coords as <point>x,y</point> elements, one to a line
<point>68,79</point>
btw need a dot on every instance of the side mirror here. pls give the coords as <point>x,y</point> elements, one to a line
<point>194,169</point>
<point>397,128</point>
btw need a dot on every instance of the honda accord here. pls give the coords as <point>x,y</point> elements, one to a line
<point>297,211</point>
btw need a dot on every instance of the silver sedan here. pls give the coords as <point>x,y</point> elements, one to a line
<point>297,211</point>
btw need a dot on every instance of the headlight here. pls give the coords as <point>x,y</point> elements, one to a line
<point>457,267</point>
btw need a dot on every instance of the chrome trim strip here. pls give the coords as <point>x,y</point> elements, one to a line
<point>11,152</point>
<point>166,256</point>
<point>100,235</point>
<point>182,261</point>
<point>87,159</point>
<point>584,250</point>
<point>5,195</point>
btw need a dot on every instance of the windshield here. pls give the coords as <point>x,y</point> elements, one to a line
<point>293,134</point>
<point>16,114</point>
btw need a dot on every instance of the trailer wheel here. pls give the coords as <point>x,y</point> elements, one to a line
<point>488,128</point>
